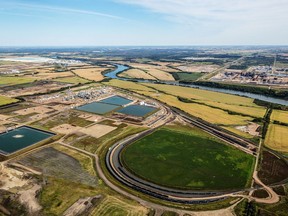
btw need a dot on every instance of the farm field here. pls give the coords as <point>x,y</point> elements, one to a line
<point>71,79</point>
<point>160,75</point>
<point>94,74</point>
<point>6,100</point>
<point>207,113</point>
<point>7,80</point>
<point>276,138</point>
<point>224,101</point>
<point>49,75</point>
<point>280,116</point>
<point>188,159</point>
<point>136,73</point>
<point>114,206</point>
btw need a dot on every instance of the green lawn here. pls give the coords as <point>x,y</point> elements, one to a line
<point>183,76</point>
<point>189,159</point>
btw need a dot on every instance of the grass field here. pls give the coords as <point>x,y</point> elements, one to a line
<point>279,115</point>
<point>7,80</point>
<point>60,194</point>
<point>189,159</point>
<point>114,206</point>
<point>72,80</point>
<point>276,138</point>
<point>187,76</point>
<point>6,100</point>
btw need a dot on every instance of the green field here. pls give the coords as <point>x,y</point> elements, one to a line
<point>6,80</point>
<point>6,100</point>
<point>183,76</point>
<point>72,80</point>
<point>188,159</point>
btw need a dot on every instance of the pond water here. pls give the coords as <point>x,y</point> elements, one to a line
<point>98,108</point>
<point>116,100</point>
<point>121,68</point>
<point>21,138</point>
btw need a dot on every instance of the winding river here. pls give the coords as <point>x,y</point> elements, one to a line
<point>120,68</point>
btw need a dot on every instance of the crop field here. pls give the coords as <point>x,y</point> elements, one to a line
<point>6,100</point>
<point>159,74</point>
<point>224,101</point>
<point>7,80</point>
<point>207,113</point>
<point>130,85</point>
<point>50,75</point>
<point>276,138</point>
<point>213,115</point>
<point>72,80</point>
<point>136,73</point>
<point>94,74</point>
<point>189,159</point>
<point>280,116</point>
<point>114,206</point>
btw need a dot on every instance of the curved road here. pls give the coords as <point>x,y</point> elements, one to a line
<point>116,168</point>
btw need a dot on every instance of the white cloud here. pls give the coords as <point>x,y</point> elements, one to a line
<point>37,7</point>
<point>218,21</point>
<point>215,9</point>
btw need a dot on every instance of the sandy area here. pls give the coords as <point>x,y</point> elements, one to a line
<point>251,128</point>
<point>4,117</point>
<point>65,129</point>
<point>90,117</point>
<point>97,130</point>
<point>13,180</point>
<point>198,68</point>
<point>38,109</point>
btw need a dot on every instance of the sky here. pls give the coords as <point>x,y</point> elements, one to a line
<point>143,22</point>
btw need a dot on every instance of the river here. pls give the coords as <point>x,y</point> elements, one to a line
<point>120,68</point>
